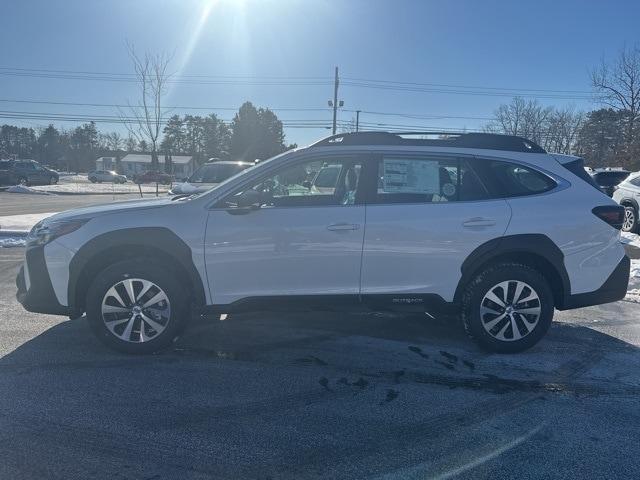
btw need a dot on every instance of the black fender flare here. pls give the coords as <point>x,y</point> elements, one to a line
<point>159,239</point>
<point>526,244</point>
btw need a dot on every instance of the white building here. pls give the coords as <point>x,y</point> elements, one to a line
<point>183,165</point>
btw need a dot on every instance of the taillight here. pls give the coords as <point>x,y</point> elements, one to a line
<point>612,214</point>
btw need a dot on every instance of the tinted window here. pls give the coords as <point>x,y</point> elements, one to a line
<point>215,173</point>
<point>409,179</point>
<point>610,179</point>
<point>505,179</point>
<point>636,181</point>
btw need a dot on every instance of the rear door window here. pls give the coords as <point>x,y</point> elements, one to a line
<point>507,179</point>
<point>426,179</point>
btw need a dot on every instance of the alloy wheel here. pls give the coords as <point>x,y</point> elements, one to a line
<point>510,310</point>
<point>629,219</point>
<point>136,310</point>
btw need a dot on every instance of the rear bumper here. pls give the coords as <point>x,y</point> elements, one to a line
<point>38,296</point>
<point>612,290</point>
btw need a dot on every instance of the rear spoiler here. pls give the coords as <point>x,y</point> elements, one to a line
<point>576,166</point>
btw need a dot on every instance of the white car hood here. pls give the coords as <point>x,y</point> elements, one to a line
<point>96,210</point>
<point>190,188</point>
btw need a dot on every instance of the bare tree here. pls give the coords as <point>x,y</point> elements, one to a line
<point>113,141</point>
<point>562,130</point>
<point>617,85</point>
<point>146,116</point>
<point>130,144</point>
<point>521,117</point>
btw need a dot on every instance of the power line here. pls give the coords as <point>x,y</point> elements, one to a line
<point>416,87</point>
<point>182,107</point>
<point>464,86</point>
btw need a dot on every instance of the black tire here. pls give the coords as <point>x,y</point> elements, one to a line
<point>146,269</point>
<point>23,181</point>
<point>92,179</point>
<point>53,180</point>
<point>487,281</point>
<point>630,223</point>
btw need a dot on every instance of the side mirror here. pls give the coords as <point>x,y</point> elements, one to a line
<point>307,184</point>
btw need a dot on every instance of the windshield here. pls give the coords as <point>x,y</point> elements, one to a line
<point>216,172</point>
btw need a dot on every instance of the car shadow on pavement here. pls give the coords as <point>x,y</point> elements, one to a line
<point>258,395</point>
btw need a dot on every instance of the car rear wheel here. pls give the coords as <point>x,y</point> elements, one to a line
<point>23,181</point>
<point>137,307</point>
<point>630,223</point>
<point>507,308</point>
<point>92,179</point>
<point>53,180</point>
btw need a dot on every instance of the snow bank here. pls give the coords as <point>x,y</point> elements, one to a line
<point>633,291</point>
<point>6,242</point>
<point>23,189</point>
<point>22,223</point>
<point>630,239</point>
<point>98,188</point>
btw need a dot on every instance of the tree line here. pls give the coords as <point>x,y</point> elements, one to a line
<point>253,133</point>
<point>607,136</point>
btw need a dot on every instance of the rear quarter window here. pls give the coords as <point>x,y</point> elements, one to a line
<point>507,179</point>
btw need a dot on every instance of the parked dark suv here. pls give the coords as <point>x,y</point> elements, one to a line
<point>26,172</point>
<point>608,179</point>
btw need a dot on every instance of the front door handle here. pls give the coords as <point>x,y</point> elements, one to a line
<point>479,222</point>
<point>339,227</point>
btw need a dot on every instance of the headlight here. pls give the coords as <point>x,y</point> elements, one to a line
<point>42,233</point>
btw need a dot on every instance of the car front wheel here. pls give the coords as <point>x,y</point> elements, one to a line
<point>53,180</point>
<point>137,307</point>
<point>507,308</point>
<point>630,223</point>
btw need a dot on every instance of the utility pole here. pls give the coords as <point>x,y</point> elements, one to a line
<point>357,120</point>
<point>335,103</point>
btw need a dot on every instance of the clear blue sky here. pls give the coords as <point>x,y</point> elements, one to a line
<point>545,45</point>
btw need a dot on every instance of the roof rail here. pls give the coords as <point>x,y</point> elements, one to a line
<point>489,141</point>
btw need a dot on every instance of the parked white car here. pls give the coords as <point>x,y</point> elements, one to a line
<point>208,176</point>
<point>469,224</point>
<point>627,194</point>
<point>100,176</point>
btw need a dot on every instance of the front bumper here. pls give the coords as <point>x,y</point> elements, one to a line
<point>612,290</point>
<point>38,296</point>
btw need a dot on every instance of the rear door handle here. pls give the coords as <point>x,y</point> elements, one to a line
<point>479,222</point>
<point>339,227</point>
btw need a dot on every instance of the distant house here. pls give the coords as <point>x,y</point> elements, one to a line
<point>183,165</point>
<point>106,163</point>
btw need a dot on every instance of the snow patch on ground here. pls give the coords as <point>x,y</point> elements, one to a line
<point>633,290</point>
<point>6,242</point>
<point>630,239</point>
<point>23,189</point>
<point>93,188</point>
<point>22,223</point>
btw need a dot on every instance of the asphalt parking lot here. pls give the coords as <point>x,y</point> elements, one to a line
<point>318,395</point>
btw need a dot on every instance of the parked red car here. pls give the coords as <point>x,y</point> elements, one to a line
<point>153,177</point>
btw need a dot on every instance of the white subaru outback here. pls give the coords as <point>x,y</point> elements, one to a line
<point>487,226</point>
